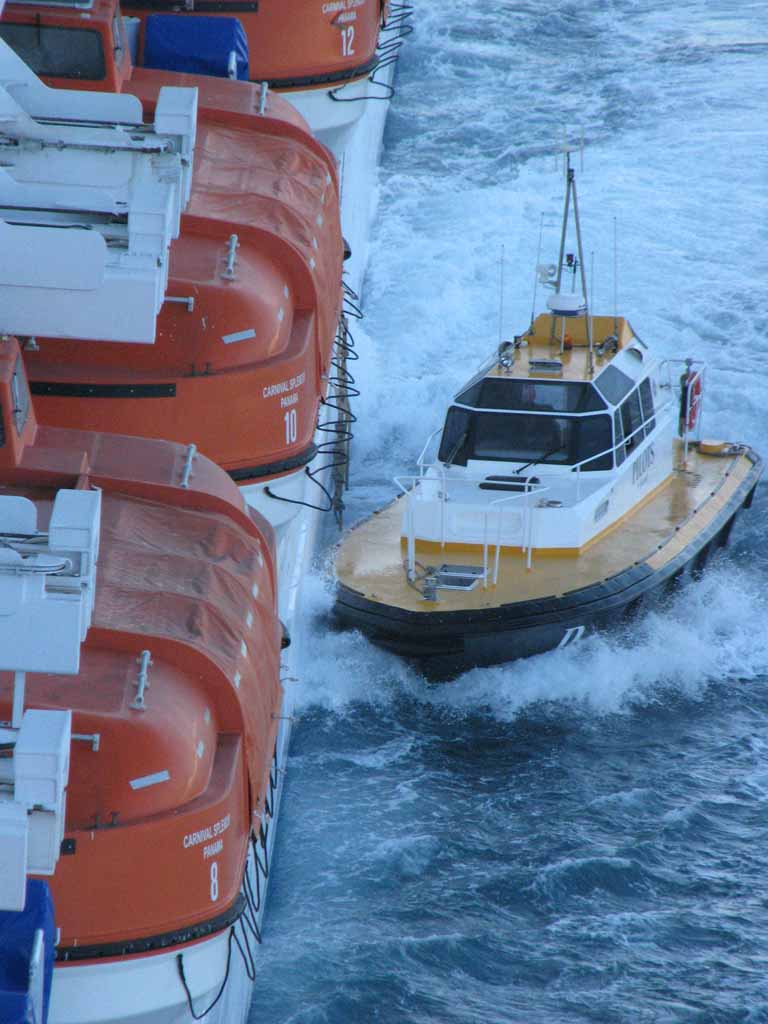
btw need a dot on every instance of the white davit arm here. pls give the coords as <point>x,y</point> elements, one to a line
<point>90,200</point>
<point>47,585</point>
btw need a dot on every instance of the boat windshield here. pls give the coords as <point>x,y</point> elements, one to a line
<point>504,437</point>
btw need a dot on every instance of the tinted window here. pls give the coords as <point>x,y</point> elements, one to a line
<point>592,436</point>
<point>619,441</point>
<point>471,396</point>
<point>453,443</point>
<point>2,430</point>
<point>614,384</point>
<point>646,401</point>
<point>497,436</point>
<point>557,440</point>
<point>61,52</point>
<point>631,421</point>
<point>533,395</point>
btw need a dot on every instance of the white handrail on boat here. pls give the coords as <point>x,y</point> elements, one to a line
<point>420,461</point>
<point>527,530</point>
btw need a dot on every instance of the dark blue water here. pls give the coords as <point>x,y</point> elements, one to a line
<point>582,837</point>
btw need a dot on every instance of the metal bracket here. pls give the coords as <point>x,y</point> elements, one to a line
<point>94,738</point>
<point>188,301</point>
<point>144,661</point>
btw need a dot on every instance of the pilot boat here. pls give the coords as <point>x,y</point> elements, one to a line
<point>572,483</point>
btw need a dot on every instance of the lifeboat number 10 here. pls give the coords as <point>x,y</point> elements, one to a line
<point>290,426</point>
<point>347,39</point>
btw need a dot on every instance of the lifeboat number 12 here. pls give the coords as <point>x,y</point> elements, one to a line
<point>347,39</point>
<point>290,426</point>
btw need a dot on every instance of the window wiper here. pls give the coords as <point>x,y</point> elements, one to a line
<point>542,458</point>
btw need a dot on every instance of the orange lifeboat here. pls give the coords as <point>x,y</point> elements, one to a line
<point>245,338</point>
<point>294,44</point>
<point>175,711</point>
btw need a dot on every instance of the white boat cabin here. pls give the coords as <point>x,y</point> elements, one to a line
<point>565,431</point>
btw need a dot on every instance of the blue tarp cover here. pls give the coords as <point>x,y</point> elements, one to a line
<point>195,44</point>
<point>17,934</point>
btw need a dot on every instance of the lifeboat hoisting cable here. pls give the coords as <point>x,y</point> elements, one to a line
<point>248,918</point>
<point>337,448</point>
<point>396,26</point>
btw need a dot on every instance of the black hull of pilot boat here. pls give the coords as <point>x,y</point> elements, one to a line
<point>445,644</point>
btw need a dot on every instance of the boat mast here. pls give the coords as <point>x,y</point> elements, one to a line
<point>570,192</point>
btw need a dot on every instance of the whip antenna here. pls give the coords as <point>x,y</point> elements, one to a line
<point>615,282</point>
<point>536,273</point>
<point>501,295</point>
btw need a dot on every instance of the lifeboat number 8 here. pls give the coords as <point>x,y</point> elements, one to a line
<point>347,39</point>
<point>214,881</point>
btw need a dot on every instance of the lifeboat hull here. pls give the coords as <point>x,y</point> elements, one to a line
<point>295,43</point>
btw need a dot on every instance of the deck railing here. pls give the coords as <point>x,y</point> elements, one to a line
<point>413,486</point>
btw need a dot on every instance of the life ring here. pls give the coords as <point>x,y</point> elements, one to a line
<point>693,397</point>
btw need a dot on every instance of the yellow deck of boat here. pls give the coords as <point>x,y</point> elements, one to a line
<point>370,560</point>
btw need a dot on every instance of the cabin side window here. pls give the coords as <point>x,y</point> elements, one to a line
<point>592,441</point>
<point>20,396</point>
<point>646,401</point>
<point>56,50</point>
<point>632,421</point>
<point>619,438</point>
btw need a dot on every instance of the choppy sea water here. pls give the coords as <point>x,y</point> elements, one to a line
<point>581,837</point>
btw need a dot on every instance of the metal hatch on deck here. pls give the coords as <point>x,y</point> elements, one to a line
<point>458,577</point>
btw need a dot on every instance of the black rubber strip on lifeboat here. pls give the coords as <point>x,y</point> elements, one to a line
<point>329,78</point>
<point>197,7</point>
<point>302,458</point>
<point>67,389</point>
<point>155,942</point>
